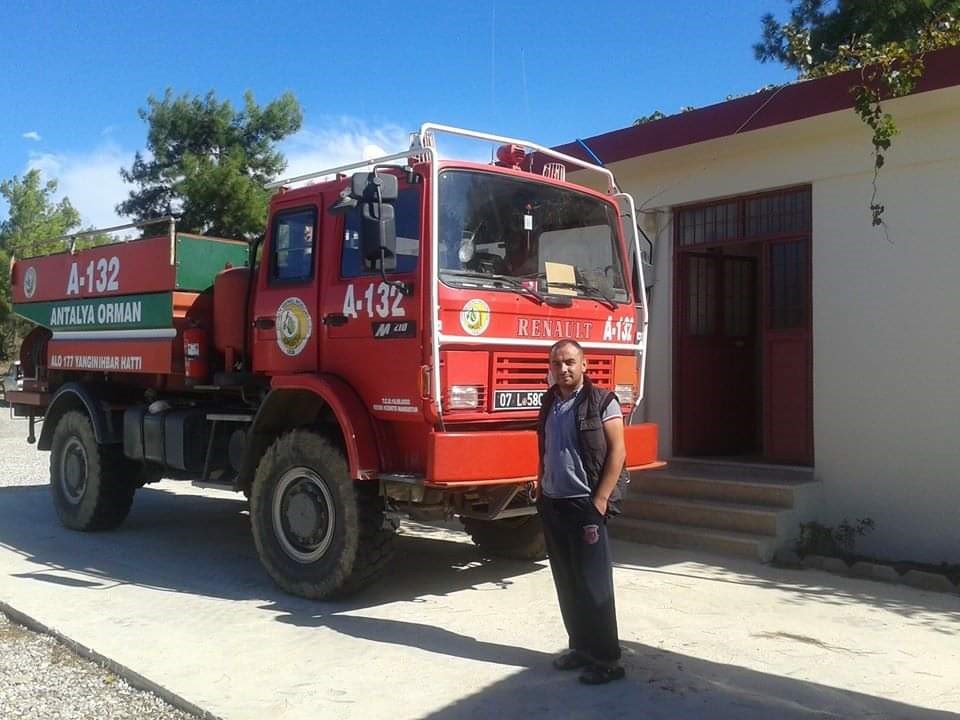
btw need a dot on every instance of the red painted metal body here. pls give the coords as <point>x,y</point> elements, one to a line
<point>354,342</point>
<point>229,299</point>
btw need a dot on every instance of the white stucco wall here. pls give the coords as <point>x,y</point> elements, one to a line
<point>886,313</point>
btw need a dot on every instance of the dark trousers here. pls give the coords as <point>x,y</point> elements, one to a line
<point>579,549</point>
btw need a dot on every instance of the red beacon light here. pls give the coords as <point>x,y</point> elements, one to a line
<point>510,156</point>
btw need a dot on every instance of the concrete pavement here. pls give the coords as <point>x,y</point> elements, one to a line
<point>178,596</point>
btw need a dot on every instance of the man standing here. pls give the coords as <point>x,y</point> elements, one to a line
<point>582,455</point>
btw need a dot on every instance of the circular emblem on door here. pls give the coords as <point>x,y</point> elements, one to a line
<point>475,317</point>
<point>294,326</point>
<point>30,281</point>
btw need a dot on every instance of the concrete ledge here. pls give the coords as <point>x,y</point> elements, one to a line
<point>835,566</point>
<point>882,573</point>
<point>929,581</point>
<point>814,562</point>
<point>885,573</point>
<point>864,570</point>
<point>134,679</point>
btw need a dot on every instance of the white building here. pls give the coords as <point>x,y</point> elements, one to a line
<point>785,327</point>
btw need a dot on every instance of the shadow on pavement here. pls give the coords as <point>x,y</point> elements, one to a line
<point>661,685</point>
<point>202,545</point>
<point>805,586</point>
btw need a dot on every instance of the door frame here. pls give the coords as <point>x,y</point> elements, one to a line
<point>727,232</point>
<point>803,331</point>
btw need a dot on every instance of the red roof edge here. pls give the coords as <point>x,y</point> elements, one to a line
<point>764,109</point>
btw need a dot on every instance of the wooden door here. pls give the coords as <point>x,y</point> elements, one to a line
<point>716,361</point>
<point>788,383</point>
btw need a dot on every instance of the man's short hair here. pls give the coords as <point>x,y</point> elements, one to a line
<point>566,342</point>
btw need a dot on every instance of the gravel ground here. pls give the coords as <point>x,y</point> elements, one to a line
<point>41,679</point>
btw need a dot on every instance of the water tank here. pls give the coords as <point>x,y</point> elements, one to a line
<point>229,302</point>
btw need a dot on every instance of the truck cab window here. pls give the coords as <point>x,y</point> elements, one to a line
<point>292,243</point>
<point>407,213</point>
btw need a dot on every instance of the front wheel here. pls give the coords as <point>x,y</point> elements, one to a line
<point>318,533</point>
<point>90,483</point>
<point>519,538</point>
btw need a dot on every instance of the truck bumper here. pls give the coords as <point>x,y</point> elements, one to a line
<point>495,458</point>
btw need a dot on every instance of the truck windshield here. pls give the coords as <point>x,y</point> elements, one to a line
<point>494,226</point>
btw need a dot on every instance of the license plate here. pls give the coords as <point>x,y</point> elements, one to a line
<point>517,399</point>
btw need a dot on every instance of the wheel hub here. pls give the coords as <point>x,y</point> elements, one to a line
<point>73,471</point>
<point>303,515</point>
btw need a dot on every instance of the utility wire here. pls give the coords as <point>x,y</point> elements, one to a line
<point>716,155</point>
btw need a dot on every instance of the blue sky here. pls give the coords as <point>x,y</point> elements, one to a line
<point>73,74</point>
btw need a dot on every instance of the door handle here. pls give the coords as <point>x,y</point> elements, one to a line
<point>335,319</point>
<point>265,323</point>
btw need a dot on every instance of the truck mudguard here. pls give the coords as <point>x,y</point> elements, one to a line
<point>74,396</point>
<point>299,400</point>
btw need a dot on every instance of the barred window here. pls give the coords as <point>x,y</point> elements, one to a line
<point>783,213</point>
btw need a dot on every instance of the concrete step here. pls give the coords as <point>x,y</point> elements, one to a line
<point>725,469</point>
<point>746,490</point>
<point>736,517</point>
<point>723,542</point>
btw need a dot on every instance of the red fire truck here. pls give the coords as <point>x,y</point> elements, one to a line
<point>380,350</point>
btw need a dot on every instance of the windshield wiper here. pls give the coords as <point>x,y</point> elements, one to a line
<point>493,279</point>
<point>590,290</point>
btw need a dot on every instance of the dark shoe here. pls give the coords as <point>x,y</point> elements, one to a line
<point>570,660</point>
<point>602,674</point>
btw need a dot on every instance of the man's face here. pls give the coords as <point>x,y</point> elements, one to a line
<point>568,365</point>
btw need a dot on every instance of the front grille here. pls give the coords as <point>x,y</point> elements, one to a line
<point>519,370</point>
<point>530,370</point>
<point>600,370</point>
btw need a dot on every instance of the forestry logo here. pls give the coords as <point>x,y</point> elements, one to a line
<point>475,317</point>
<point>30,282</point>
<point>294,326</point>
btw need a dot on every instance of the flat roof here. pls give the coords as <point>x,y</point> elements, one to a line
<point>775,106</point>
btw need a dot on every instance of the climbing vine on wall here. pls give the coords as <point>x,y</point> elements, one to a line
<point>888,70</point>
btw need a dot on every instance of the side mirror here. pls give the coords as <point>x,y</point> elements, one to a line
<point>378,231</point>
<point>364,186</point>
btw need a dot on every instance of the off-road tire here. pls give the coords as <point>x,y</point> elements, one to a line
<point>519,538</point>
<point>91,484</point>
<point>361,541</point>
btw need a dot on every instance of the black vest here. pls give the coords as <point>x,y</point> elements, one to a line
<point>588,409</point>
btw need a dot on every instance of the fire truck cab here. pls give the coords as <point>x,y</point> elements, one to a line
<point>383,350</point>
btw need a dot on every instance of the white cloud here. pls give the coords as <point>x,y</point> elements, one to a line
<point>32,135</point>
<point>90,180</point>
<point>340,141</point>
<point>343,140</point>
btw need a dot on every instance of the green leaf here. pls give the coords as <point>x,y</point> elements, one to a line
<point>209,162</point>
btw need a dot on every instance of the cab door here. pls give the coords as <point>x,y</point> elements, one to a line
<point>372,323</point>
<point>285,325</point>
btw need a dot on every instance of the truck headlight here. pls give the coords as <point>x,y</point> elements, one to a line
<point>625,394</point>
<point>463,397</point>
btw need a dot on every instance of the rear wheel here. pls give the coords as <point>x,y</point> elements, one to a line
<point>318,533</point>
<point>519,538</point>
<point>90,483</point>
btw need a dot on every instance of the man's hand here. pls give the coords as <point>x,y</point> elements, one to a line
<point>600,504</point>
